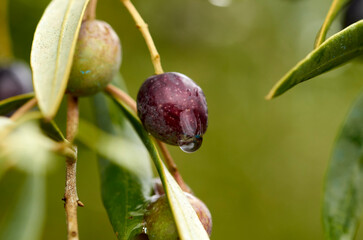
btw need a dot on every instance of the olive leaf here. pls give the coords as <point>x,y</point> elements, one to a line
<point>52,130</point>
<point>52,51</point>
<point>125,176</point>
<point>343,194</point>
<point>11,104</point>
<point>117,149</point>
<point>23,145</point>
<point>5,124</point>
<point>335,7</point>
<point>335,51</point>
<point>124,191</point>
<point>27,220</point>
<point>186,219</point>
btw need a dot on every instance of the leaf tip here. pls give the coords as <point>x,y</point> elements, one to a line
<point>270,95</point>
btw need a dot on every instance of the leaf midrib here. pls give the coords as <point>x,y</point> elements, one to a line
<point>331,60</point>
<point>296,68</point>
<point>60,41</point>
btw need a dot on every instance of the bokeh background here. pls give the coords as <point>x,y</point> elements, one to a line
<point>262,164</point>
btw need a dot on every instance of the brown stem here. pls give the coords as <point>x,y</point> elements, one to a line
<point>70,195</point>
<point>125,98</point>
<point>327,22</point>
<point>144,29</point>
<point>90,13</point>
<point>155,58</point>
<point>24,109</point>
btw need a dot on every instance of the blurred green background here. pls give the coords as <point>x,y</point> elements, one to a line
<point>262,164</point>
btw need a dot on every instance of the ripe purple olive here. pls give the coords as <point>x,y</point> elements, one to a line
<point>15,79</point>
<point>174,110</point>
<point>160,222</point>
<point>96,60</point>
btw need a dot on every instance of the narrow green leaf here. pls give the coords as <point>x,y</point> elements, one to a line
<point>335,51</point>
<point>10,104</point>
<point>124,197</point>
<point>187,222</point>
<point>5,124</point>
<point>52,51</point>
<point>26,223</point>
<point>343,195</point>
<point>126,173</point>
<point>22,144</point>
<point>117,149</point>
<point>335,7</point>
<point>125,186</point>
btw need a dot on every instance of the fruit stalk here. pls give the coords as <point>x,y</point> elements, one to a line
<point>125,98</point>
<point>144,29</point>
<point>90,13</point>
<point>327,22</point>
<point>70,196</point>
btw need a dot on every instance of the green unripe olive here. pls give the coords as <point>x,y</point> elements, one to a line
<point>160,223</point>
<point>96,60</point>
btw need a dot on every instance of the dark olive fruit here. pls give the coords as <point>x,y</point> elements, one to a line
<point>173,109</point>
<point>160,222</point>
<point>15,79</point>
<point>96,60</point>
<point>353,13</point>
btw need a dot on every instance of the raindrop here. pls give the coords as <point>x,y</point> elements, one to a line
<point>192,144</point>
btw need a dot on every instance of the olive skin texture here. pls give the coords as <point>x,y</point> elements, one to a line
<point>173,109</point>
<point>96,60</point>
<point>15,79</point>
<point>160,223</point>
<point>353,13</point>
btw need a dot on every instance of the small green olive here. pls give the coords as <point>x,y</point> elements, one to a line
<point>96,60</point>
